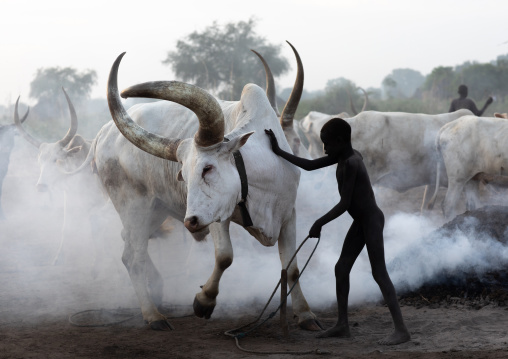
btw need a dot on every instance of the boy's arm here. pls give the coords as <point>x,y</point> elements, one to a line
<point>346,195</point>
<point>308,165</point>
<point>487,103</point>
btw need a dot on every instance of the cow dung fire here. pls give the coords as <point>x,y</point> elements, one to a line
<point>467,286</point>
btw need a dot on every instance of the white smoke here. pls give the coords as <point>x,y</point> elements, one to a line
<point>30,237</point>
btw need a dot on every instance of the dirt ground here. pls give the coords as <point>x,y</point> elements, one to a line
<point>38,302</point>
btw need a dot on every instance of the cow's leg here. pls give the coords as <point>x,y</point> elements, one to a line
<point>287,247</point>
<point>2,216</point>
<point>141,220</point>
<point>3,172</point>
<point>452,196</point>
<point>65,218</point>
<point>428,200</point>
<point>472,195</point>
<point>204,302</point>
<point>136,259</point>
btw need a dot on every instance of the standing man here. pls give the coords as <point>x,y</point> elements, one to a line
<point>467,103</point>
<point>356,198</point>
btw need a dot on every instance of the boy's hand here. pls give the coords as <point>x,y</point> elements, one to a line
<point>273,140</point>
<point>315,230</point>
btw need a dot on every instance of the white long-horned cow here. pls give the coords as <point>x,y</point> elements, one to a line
<point>398,148</point>
<point>63,155</point>
<point>55,159</point>
<point>181,164</point>
<point>7,133</point>
<point>468,146</point>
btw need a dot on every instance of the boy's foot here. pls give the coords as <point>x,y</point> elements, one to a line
<point>340,331</point>
<point>397,337</point>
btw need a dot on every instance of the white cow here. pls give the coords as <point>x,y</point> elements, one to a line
<point>7,133</point>
<point>57,157</point>
<point>467,146</point>
<point>398,148</point>
<point>83,191</point>
<point>184,167</point>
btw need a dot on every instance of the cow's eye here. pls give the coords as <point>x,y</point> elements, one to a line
<point>206,169</point>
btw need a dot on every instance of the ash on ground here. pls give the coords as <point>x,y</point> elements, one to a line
<point>467,288</point>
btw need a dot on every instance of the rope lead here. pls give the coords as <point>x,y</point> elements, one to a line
<point>241,335</point>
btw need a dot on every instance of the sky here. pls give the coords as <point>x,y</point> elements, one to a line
<point>360,40</point>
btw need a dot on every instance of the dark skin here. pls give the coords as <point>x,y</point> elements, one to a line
<point>357,198</point>
<point>467,103</point>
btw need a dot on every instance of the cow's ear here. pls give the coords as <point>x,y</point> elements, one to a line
<point>237,142</point>
<point>308,128</point>
<point>179,176</point>
<point>74,150</point>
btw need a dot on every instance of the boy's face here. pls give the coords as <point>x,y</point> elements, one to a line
<point>333,146</point>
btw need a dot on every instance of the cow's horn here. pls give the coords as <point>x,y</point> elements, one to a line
<point>74,123</point>
<point>149,142</point>
<point>288,114</point>
<point>270,84</point>
<point>204,105</point>
<point>365,99</point>
<point>22,131</point>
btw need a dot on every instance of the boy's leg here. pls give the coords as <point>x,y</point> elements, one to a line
<point>353,245</point>
<point>375,248</point>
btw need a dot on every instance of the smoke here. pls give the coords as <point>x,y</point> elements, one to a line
<point>34,288</point>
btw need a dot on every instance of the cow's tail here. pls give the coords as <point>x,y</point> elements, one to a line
<point>439,164</point>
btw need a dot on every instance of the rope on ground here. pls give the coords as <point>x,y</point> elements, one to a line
<point>108,314</point>
<point>238,336</point>
<point>315,351</point>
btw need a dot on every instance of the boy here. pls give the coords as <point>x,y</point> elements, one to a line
<point>357,198</point>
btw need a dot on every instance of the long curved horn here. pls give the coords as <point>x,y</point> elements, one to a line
<point>149,142</point>
<point>204,105</point>
<point>365,99</point>
<point>288,113</point>
<point>270,84</point>
<point>353,108</point>
<point>20,128</point>
<point>74,123</point>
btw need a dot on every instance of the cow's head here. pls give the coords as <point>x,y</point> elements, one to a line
<point>54,157</point>
<point>208,170</point>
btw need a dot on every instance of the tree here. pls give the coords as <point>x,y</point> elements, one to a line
<point>47,85</point>
<point>219,58</point>
<point>441,83</point>
<point>402,83</point>
<point>334,99</point>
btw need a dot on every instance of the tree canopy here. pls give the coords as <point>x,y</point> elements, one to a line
<point>48,82</point>
<point>402,83</point>
<point>219,59</point>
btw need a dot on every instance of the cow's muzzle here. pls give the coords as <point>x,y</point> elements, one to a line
<point>192,224</point>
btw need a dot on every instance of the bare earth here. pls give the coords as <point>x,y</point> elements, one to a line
<point>34,316</point>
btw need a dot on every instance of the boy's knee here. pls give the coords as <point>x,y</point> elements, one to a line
<point>342,270</point>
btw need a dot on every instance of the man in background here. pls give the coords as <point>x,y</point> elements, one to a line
<point>467,103</point>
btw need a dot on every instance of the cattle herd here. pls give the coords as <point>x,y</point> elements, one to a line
<point>178,158</point>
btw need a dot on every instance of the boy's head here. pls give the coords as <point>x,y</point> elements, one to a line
<point>463,90</point>
<point>336,137</point>
<point>336,128</point>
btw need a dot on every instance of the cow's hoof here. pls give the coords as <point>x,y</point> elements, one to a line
<point>161,325</point>
<point>311,324</point>
<point>201,310</point>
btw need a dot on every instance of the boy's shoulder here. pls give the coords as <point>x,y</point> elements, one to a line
<point>358,153</point>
